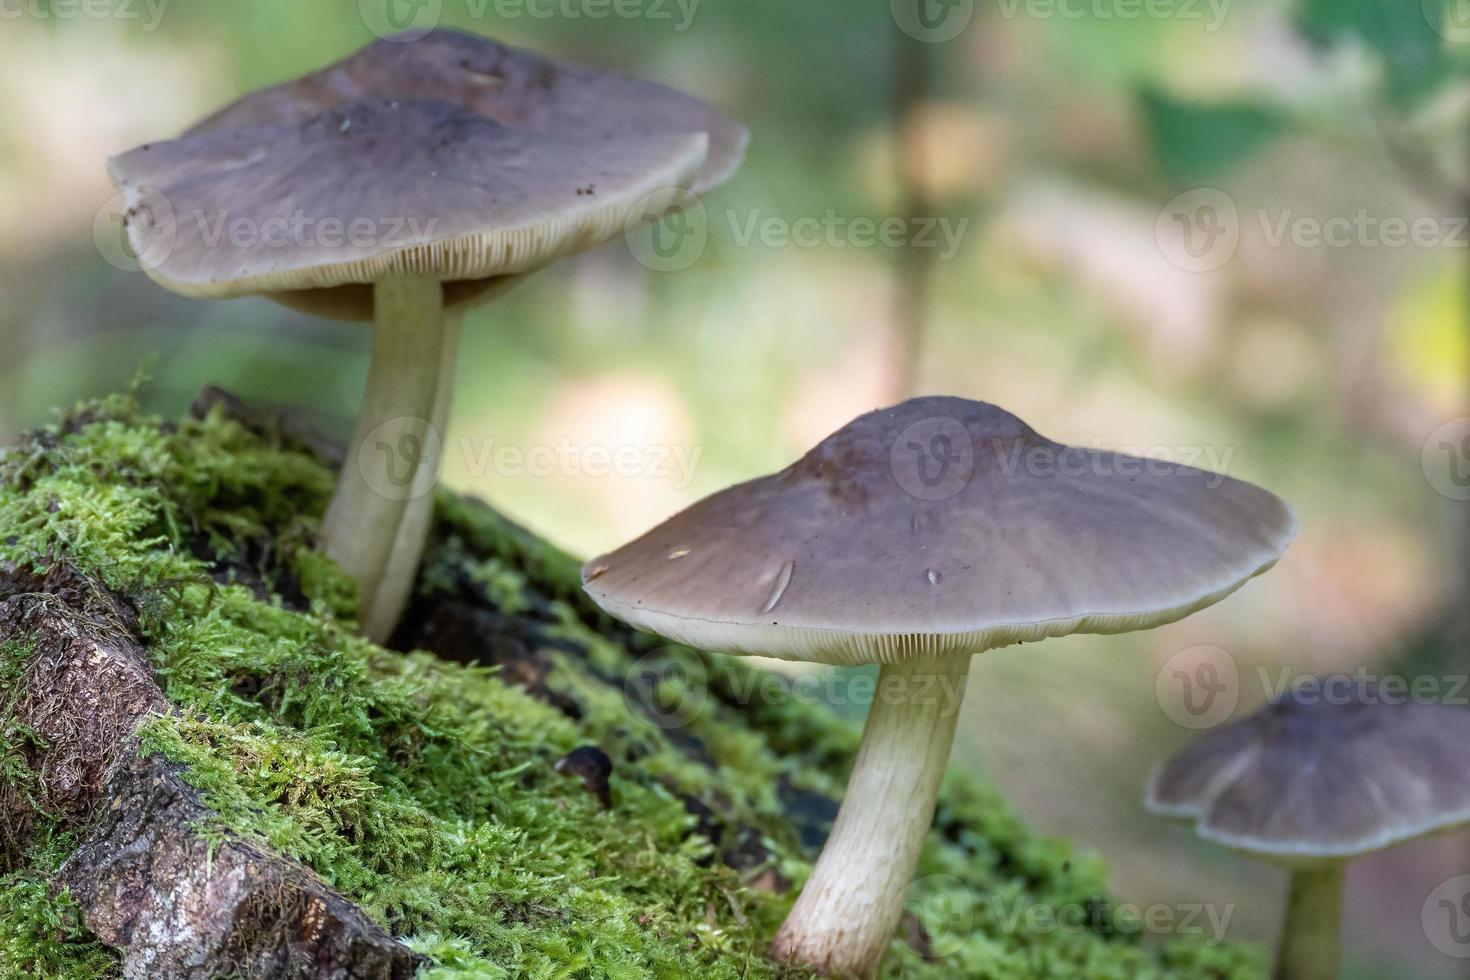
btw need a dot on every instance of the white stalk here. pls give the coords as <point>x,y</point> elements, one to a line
<point>1311,940</point>
<point>390,450</point>
<point>387,607</point>
<point>846,915</point>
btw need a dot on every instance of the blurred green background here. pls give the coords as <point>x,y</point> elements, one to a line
<point>1054,137</point>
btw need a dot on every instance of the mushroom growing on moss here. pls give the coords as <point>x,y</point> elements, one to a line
<point>913,538</point>
<point>1329,772</point>
<point>399,186</point>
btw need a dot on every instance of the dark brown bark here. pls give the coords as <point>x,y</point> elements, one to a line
<point>147,882</point>
<point>73,706</point>
<point>150,886</point>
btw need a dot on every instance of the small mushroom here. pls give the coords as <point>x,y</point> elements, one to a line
<point>401,185</point>
<point>1312,781</point>
<point>913,538</point>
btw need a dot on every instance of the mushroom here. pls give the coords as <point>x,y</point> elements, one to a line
<point>914,537</point>
<point>1312,781</point>
<point>400,185</point>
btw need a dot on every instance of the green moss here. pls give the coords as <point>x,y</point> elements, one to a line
<point>330,590</point>
<point>491,535</point>
<point>502,585</point>
<point>427,790</point>
<point>41,933</point>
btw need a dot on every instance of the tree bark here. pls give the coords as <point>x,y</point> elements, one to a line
<point>174,904</point>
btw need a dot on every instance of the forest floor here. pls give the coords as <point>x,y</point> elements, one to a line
<point>204,771</point>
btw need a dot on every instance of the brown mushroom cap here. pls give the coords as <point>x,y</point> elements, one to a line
<point>1313,778</point>
<point>369,190</point>
<point>516,88</point>
<point>870,548</point>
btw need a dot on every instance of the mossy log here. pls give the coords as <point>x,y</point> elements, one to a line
<point>205,770</point>
<point>148,883</point>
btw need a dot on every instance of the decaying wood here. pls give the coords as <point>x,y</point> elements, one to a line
<point>148,883</point>
<point>75,704</point>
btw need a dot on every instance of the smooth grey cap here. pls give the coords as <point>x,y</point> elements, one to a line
<point>608,125</point>
<point>941,526</point>
<point>1320,776</point>
<point>515,88</point>
<point>369,190</point>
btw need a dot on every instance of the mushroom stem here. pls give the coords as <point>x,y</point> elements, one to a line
<point>387,607</point>
<point>393,456</point>
<point>846,915</point>
<point>1310,937</point>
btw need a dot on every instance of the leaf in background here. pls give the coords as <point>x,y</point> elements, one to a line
<point>1429,342</point>
<point>1196,141</point>
<point>1401,32</point>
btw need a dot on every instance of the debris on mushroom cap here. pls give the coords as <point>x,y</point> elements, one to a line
<point>941,526</point>
<point>343,197</point>
<point>1328,772</point>
<point>514,87</point>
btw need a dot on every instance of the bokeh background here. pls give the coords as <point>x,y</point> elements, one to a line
<point>1285,319</point>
